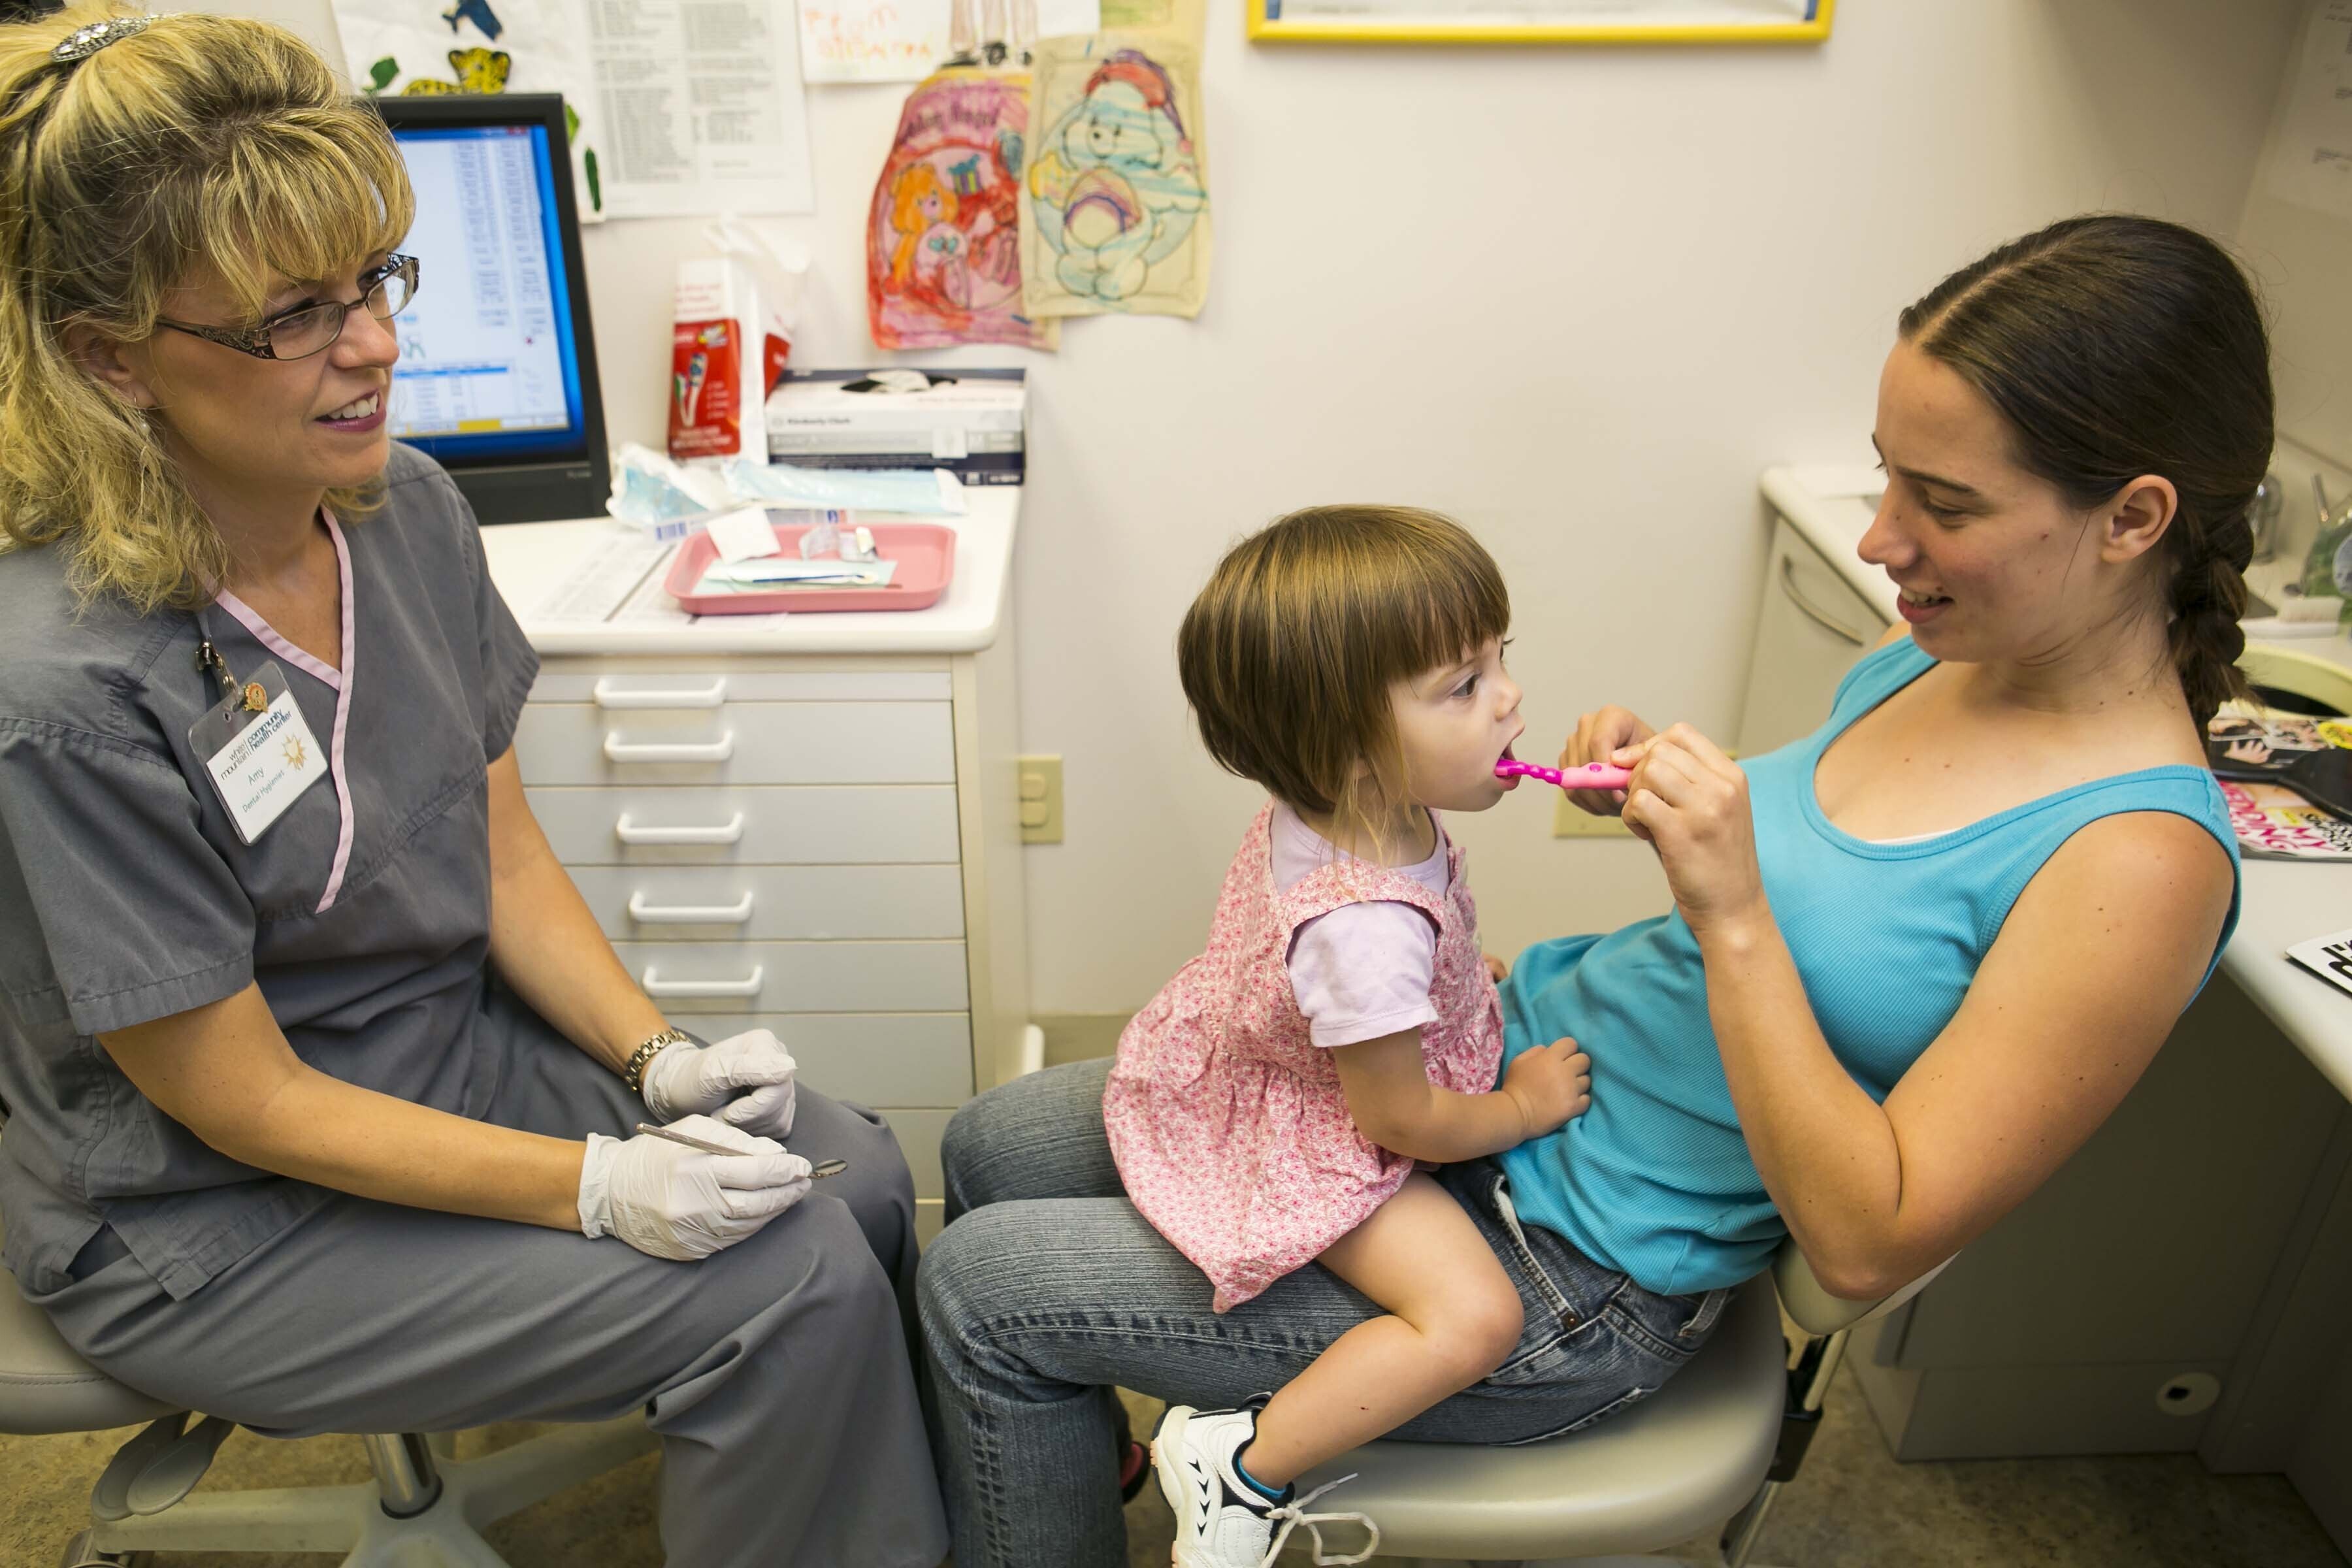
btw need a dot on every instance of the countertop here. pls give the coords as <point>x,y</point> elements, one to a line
<point>2284,901</point>
<point>531,563</point>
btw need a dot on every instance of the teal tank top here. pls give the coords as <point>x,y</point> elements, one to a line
<point>1655,1180</point>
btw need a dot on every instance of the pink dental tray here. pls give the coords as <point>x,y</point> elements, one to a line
<point>925,552</point>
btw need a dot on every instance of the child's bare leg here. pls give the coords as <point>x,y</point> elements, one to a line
<point>1454,1317</point>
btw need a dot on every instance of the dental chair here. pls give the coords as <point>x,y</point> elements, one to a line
<point>423,1507</point>
<point>1716,1443</point>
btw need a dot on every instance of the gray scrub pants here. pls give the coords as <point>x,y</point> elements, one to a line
<point>775,1373</point>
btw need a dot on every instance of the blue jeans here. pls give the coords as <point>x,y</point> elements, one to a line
<point>1047,1289</point>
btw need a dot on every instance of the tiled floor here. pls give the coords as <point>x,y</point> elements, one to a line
<point>1853,1507</point>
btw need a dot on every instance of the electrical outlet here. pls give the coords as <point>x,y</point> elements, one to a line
<point>1041,800</point>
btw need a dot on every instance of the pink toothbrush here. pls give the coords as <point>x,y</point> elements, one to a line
<point>1592,775</point>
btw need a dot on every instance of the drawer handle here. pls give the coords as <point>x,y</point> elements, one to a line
<point>619,751</point>
<point>607,697</point>
<point>1812,612</point>
<point>727,832</point>
<point>654,986</point>
<point>733,914</point>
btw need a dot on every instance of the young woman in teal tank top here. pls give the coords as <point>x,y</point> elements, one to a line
<point>1887,938</point>
<point>1914,961</point>
<point>1884,1046</point>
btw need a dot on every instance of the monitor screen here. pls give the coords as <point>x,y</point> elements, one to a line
<point>496,372</point>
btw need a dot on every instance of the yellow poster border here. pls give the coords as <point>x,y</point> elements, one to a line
<point>1362,30</point>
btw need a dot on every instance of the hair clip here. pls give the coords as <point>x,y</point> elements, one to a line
<point>84,42</point>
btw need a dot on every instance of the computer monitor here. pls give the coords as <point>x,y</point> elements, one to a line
<point>497,377</point>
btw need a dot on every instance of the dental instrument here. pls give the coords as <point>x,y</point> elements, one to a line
<point>816,1172</point>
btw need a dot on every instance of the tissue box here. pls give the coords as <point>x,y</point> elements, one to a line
<point>973,423</point>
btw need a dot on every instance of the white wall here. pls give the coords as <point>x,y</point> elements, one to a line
<point>1577,297</point>
<point>2300,252</point>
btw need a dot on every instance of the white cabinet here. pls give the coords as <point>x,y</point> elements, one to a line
<point>828,846</point>
<point>656,824</point>
<point>1810,630</point>
<point>870,743</point>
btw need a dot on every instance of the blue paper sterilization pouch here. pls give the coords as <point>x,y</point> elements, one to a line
<point>925,493</point>
<point>653,492</point>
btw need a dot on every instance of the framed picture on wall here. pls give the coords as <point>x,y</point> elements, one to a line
<point>1540,21</point>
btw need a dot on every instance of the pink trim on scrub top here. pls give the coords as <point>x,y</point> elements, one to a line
<point>340,682</point>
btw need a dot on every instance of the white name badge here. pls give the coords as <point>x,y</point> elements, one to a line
<point>260,751</point>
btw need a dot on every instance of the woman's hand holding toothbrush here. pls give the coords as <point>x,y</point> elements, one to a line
<point>1612,736</point>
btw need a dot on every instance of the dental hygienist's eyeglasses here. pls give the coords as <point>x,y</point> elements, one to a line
<point>306,330</point>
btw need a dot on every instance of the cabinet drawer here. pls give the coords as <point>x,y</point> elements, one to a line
<point>919,1133</point>
<point>742,742</point>
<point>701,977</point>
<point>752,903</point>
<point>873,1059</point>
<point>680,825</point>
<point>621,686</point>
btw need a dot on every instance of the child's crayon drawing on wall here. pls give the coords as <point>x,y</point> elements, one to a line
<point>872,40</point>
<point>1118,199</point>
<point>943,252</point>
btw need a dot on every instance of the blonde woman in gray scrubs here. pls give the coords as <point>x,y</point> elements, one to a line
<point>320,1074</point>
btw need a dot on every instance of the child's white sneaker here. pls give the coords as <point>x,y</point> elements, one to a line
<point>1222,1521</point>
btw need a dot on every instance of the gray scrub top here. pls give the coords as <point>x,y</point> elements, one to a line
<point>126,894</point>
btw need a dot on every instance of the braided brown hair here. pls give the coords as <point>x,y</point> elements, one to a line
<point>2116,346</point>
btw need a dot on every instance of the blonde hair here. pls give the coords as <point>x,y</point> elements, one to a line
<point>205,149</point>
<point>1289,654</point>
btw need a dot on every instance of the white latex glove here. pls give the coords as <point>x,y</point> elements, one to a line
<point>670,1201</point>
<point>745,1080</point>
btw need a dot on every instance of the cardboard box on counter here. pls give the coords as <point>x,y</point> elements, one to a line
<point>973,423</point>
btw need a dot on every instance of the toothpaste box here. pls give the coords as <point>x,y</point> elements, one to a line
<point>973,423</point>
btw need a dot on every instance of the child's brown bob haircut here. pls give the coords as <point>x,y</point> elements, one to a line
<point>1289,654</point>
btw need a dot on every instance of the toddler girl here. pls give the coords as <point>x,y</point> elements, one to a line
<point>1271,1105</point>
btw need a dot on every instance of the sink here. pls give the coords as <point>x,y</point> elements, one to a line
<point>2304,675</point>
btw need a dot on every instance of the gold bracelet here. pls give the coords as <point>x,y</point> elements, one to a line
<point>634,1072</point>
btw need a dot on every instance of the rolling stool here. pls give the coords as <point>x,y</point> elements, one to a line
<point>1717,1442</point>
<point>420,1507</point>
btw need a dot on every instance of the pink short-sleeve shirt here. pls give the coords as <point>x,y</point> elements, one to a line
<point>1363,970</point>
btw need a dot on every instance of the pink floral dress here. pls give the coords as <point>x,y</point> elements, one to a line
<point>1227,1123</point>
